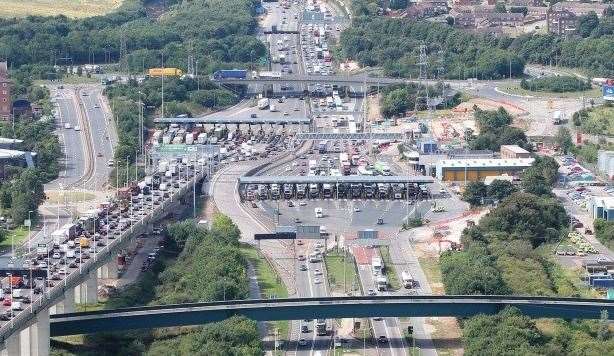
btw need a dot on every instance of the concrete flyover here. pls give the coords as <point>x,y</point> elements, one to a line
<point>354,80</point>
<point>214,120</point>
<point>327,307</point>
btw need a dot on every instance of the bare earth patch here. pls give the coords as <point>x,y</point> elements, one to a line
<point>69,8</point>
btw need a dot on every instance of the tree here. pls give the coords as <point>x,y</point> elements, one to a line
<point>474,193</point>
<point>587,23</point>
<point>500,189</point>
<point>563,139</point>
<point>500,7</point>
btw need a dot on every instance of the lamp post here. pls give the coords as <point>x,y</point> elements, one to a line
<point>29,231</point>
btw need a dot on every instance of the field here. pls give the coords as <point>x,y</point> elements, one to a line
<point>70,8</point>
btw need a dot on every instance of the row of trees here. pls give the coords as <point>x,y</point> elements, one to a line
<point>557,84</point>
<point>604,231</point>
<point>495,130</point>
<point>196,265</point>
<point>597,120</point>
<point>393,44</point>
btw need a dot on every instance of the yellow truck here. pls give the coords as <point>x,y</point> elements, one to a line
<point>167,72</point>
<point>84,242</point>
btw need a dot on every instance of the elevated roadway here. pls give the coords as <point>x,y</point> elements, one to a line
<point>327,307</point>
<point>313,79</point>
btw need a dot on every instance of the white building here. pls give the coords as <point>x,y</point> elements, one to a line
<point>605,163</point>
<point>602,208</point>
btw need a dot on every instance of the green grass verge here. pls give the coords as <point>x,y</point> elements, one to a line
<point>430,266</point>
<point>271,285</point>
<point>335,272</point>
<point>83,307</point>
<point>391,273</point>
<point>16,236</point>
<point>60,197</point>
<point>517,90</point>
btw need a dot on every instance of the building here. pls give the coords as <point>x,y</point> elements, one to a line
<point>426,9</point>
<point>605,163</point>
<point>478,169</point>
<point>514,151</point>
<point>581,8</point>
<point>500,19</point>
<point>464,20</point>
<point>602,208</point>
<point>5,92</point>
<point>561,22</point>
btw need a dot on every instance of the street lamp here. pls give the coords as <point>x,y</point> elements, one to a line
<point>29,231</point>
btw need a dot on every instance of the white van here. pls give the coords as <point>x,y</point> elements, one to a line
<point>319,213</point>
<point>162,187</point>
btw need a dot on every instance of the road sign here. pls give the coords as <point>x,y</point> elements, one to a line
<point>308,232</point>
<point>367,234</point>
<point>276,236</point>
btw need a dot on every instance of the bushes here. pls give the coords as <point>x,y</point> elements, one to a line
<point>604,231</point>
<point>556,84</point>
<point>495,130</point>
<point>398,99</point>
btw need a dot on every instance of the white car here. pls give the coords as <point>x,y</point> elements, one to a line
<point>77,128</point>
<point>317,272</point>
<point>317,281</point>
<point>67,125</point>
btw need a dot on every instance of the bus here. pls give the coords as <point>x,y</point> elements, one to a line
<point>352,128</point>
<point>408,280</point>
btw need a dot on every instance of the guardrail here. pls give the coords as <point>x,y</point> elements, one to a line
<point>51,296</point>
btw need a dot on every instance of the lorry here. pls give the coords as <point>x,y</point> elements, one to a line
<point>230,74</point>
<point>321,327</point>
<point>301,190</point>
<point>377,265</point>
<point>327,190</point>
<point>165,72</point>
<point>382,283</point>
<point>84,241</point>
<point>313,190</point>
<point>557,117</point>
<point>322,146</point>
<point>382,190</point>
<point>263,103</point>
<point>275,193</point>
<point>272,108</point>
<point>408,280</point>
<point>288,190</point>
<point>41,249</point>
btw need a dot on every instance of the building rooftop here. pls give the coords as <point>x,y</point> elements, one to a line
<point>605,202</point>
<point>514,148</point>
<point>486,162</point>
<point>8,154</point>
<point>9,141</point>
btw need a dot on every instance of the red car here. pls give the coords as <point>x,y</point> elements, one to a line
<point>7,302</point>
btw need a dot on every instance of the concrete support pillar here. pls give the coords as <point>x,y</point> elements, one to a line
<point>24,342</point>
<point>12,345</point>
<point>112,269</point>
<point>91,288</point>
<point>69,301</point>
<point>39,334</point>
<point>103,272</point>
<point>77,293</point>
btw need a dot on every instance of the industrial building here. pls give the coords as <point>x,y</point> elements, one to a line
<point>478,169</point>
<point>602,208</point>
<point>514,151</point>
<point>605,163</point>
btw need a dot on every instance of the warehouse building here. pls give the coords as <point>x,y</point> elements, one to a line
<point>478,169</point>
<point>602,208</point>
<point>514,151</point>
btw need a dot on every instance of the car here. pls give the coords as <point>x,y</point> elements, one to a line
<point>371,292</point>
<point>382,339</point>
<point>301,341</point>
<point>99,154</point>
<point>357,210</point>
<point>317,272</point>
<point>301,257</point>
<point>96,106</point>
<point>303,267</point>
<point>254,205</point>
<point>77,128</point>
<point>56,255</point>
<point>302,203</point>
<point>253,116</point>
<point>6,302</point>
<point>317,280</point>
<point>290,204</point>
<point>286,113</point>
<point>297,221</point>
<point>67,125</point>
<point>337,341</point>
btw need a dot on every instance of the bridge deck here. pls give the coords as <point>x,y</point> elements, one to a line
<point>226,120</point>
<point>328,307</point>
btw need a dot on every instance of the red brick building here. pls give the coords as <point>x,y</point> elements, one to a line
<point>5,92</point>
